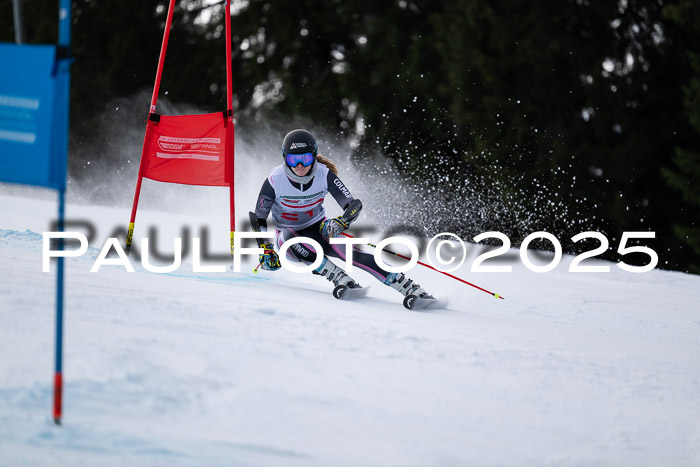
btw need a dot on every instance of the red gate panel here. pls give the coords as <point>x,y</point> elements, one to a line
<point>189,149</point>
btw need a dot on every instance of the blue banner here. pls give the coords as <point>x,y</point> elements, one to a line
<point>33,115</point>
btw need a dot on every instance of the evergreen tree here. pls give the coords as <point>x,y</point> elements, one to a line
<point>685,174</point>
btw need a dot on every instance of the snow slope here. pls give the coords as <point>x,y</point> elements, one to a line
<point>190,369</point>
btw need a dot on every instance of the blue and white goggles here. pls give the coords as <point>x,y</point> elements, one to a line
<point>306,159</point>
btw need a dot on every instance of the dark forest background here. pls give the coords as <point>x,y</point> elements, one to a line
<point>597,100</point>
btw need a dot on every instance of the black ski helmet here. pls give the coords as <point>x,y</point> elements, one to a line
<point>299,142</point>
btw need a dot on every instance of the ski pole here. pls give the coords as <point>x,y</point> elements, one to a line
<point>434,269</point>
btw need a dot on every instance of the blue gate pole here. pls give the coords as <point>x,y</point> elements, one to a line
<point>61,147</point>
<point>64,23</point>
<point>19,30</point>
<point>58,375</point>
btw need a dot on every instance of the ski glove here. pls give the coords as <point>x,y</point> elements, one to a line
<point>269,259</point>
<point>331,228</point>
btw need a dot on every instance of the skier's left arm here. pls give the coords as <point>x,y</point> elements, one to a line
<point>352,207</point>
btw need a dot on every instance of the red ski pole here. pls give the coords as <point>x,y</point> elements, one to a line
<point>434,269</point>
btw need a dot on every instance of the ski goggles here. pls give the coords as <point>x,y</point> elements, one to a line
<point>306,159</point>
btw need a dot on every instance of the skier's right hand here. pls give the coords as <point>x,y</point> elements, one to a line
<point>269,260</point>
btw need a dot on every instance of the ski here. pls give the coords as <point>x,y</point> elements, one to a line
<point>343,292</point>
<point>413,302</point>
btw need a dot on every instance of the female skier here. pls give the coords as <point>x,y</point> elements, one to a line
<point>295,191</point>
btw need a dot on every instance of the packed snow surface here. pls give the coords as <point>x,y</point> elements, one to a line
<point>268,369</point>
